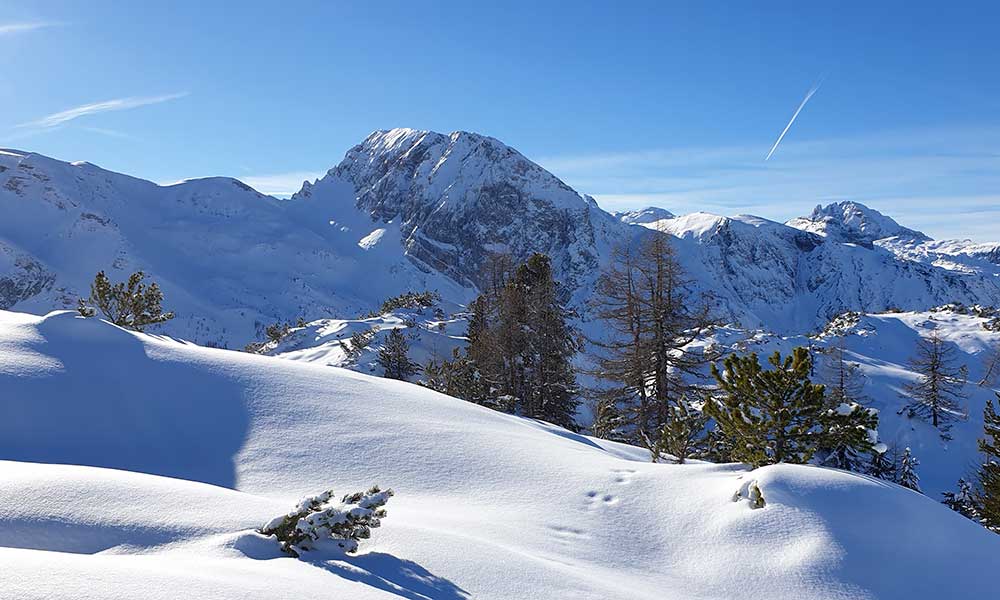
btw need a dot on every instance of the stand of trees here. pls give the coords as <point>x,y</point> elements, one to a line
<point>520,346</point>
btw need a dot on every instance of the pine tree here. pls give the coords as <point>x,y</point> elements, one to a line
<point>520,345</point>
<point>845,384</point>
<point>908,471</point>
<point>883,464</point>
<point>779,415</point>
<point>987,496</point>
<point>545,382</point>
<point>131,304</point>
<point>683,435</point>
<point>938,393</point>
<point>963,501</point>
<point>394,358</point>
<point>609,423</point>
<point>991,366</point>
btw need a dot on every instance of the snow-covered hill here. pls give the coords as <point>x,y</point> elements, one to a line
<point>487,505</point>
<point>414,210</point>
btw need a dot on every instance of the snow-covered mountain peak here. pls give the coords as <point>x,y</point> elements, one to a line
<point>458,198</point>
<point>853,222</point>
<point>650,214</point>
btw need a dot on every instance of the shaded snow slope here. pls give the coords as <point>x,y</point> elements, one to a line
<point>487,506</point>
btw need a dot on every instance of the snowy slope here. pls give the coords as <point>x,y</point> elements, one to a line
<point>230,260</point>
<point>487,506</point>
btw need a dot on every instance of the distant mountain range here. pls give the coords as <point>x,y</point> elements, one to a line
<point>410,209</point>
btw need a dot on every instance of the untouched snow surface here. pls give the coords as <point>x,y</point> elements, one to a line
<point>487,505</point>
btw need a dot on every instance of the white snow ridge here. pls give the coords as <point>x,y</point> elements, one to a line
<point>143,465</point>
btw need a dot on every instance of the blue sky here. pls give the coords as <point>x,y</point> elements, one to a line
<point>668,103</point>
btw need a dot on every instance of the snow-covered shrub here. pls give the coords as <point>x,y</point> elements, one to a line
<point>411,300</point>
<point>317,518</point>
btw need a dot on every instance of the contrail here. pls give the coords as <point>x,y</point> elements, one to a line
<point>809,95</point>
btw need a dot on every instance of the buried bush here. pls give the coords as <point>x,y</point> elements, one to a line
<point>317,518</point>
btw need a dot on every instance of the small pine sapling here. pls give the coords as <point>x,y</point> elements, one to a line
<point>908,471</point>
<point>315,519</point>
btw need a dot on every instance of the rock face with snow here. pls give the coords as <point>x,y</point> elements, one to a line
<point>458,198</point>
<point>772,276</point>
<point>854,223</point>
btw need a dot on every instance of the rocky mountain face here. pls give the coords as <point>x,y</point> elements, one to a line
<point>458,198</point>
<point>853,223</point>
<point>410,209</point>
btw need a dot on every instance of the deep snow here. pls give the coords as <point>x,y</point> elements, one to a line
<point>487,505</point>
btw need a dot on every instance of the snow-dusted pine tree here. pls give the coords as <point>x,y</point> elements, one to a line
<point>845,384</point>
<point>963,501</point>
<point>315,519</point>
<point>908,471</point>
<point>394,357</point>
<point>131,304</point>
<point>883,464</point>
<point>988,493</point>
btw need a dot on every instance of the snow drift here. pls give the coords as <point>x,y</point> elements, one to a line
<point>184,450</point>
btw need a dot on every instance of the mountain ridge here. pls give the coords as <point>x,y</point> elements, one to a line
<point>412,209</point>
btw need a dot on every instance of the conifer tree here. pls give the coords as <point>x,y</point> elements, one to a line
<point>844,383</point>
<point>908,471</point>
<point>779,415</point>
<point>520,346</point>
<point>683,435</point>
<point>652,317</point>
<point>609,424</point>
<point>883,464</point>
<point>987,495</point>
<point>963,501</point>
<point>131,304</point>
<point>991,366</point>
<point>938,393</point>
<point>544,381</point>
<point>394,358</point>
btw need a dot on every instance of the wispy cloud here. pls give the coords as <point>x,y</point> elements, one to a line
<point>281,184</point>
<point>936,180</point>
<point>113,133</point>
<point>56,119</point>
<point>12,28</point>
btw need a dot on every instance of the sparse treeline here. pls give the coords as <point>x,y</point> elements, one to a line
<point>520,346</point>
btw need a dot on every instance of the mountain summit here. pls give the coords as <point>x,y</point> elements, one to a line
<point>854,223</point>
